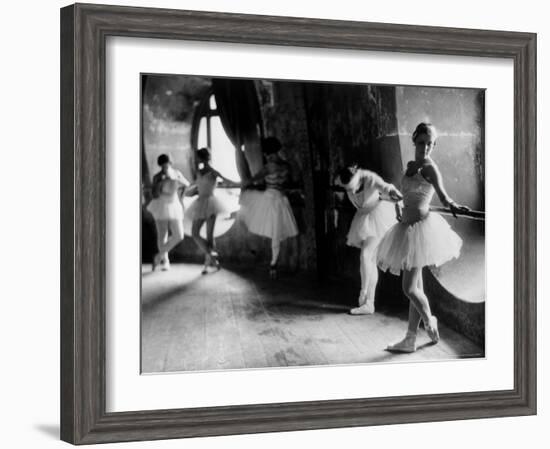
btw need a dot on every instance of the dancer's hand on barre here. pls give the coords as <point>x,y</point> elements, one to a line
<point>454,208</point>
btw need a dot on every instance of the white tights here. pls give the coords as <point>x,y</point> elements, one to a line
<point>275,249</point>
<point>169,234</point>
<point>369,270</point>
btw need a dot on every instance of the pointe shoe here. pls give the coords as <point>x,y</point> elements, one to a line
<point>432,330</point>
<point>365,309</point>
<point>207,263</point>
<point>157,260</point>
<point>406,346</point>
<point>214,262</point>
<point>165,264</point>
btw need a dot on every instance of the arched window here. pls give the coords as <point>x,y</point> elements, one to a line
<point>212,135</point>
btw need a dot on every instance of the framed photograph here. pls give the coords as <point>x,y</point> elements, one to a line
<point>273,223</point>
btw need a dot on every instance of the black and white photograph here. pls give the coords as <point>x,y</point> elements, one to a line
<point>270,225</point>
<point>295,223</point>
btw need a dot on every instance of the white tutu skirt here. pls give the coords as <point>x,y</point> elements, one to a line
<point>268,214</point>
<point>204,207</point>
<point>166,208</point>
<point>371,223</point>
<point>428,242</point>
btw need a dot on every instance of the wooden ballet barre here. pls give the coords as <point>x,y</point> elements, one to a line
<point>472,214</point>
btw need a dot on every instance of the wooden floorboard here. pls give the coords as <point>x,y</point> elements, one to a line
<point>251,346</point>
<point>237,318</point>
<point>188,334</point>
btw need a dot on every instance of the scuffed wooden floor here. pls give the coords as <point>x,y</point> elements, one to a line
<point>238,318</point>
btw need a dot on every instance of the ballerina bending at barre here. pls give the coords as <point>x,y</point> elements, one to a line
<point>374,216</point>
<point>421,238</point>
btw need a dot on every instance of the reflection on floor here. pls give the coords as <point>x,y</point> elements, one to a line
<point>238,318</point>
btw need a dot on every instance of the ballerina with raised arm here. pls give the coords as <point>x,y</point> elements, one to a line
<point>206,207</point>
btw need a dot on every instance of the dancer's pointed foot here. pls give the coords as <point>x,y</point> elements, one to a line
<point>207,263</point>
<point>214,262</point>
<point>365,309</point>
<point>407,345</point>
<point>165,264</point>
<point>157,260</point>
<point>432,330</point>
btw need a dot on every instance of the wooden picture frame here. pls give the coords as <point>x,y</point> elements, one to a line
<point>84,29</point>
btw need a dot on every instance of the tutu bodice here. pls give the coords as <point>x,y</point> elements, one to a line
<point>417,196</point>
<point>207,203</point>
<point>365,200</point>
<point>423,238</point>
<point>373,216</point>
<point>167,205</point>
<point>268,213</point>
<point>277,174</point>
<point>206,183</point>
<point>364,189</point>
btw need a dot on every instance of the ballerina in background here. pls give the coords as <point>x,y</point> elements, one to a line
<point>374,216</point>
<point>167,209</point>
<point>269,213</point>
<point>206,207</point>
<point>421,238</point>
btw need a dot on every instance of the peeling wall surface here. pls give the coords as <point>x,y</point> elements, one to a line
<point>458,115</point>
<point>285,117</point>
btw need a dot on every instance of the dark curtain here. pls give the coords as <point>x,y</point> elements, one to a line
<point>240,114</point>
<point>145,173</point>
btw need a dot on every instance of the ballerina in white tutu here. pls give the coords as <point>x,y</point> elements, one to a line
<point>421,238</point>
<point>167,209</point>
<point>206,207</point>
<point>374,216</point>
<point>268,213</point>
